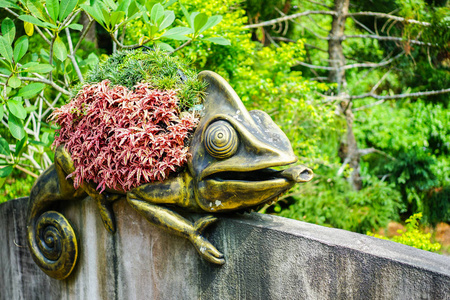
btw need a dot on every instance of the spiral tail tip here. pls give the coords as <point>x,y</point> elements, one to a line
<point>53,244</point>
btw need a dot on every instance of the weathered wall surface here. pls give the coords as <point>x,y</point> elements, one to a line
<point>267,258</point>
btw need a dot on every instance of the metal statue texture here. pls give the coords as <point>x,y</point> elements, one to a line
<point>231,155</point>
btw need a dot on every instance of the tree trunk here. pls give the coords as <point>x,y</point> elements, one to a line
<point>349,151</point>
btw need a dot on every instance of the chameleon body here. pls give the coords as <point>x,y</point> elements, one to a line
<point>232,152</point>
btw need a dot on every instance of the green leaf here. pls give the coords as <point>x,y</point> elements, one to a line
<point>133,9</point>
<point>8,30</point>
<point>177,32</point>
<point>219,41</point>
<point>16,127</point>
<point>30,90</point>
<point>110,4</point>
<point>200,21</point>
<point>212,21</point>
<point>191,21</point>
<point>5,71</point>
<point>35,21</point>
<point>37,9</point>
<point>59,49</point>
<point>4,146</point>
<point>8,4</point>
<point>39,68</point>
<point>123,6</point>
<point>95,12</point>
<point>20,145</point>
<point>5,49</point>
<point>20,48</point>
<point>106,16</point>
<point>53,9</point>
<point>1,111</point>
<point>157,12</point>
<point>116,17</point>
<point>31,108</point>
<point>66,7</point>
<point>14,82</point>
<point>169,3</point>
<point>186,15</point>
<point>4,172</point>
<point>169,17</point>
<point>16,108</point>
<point>78,27</point>
<point>164,46</point>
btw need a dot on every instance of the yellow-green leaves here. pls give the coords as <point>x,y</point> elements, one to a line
<point>59,49</point>
<point>200,22</point>
<point>219,41</point>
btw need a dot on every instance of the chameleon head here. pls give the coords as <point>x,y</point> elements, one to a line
<point>233,152</point>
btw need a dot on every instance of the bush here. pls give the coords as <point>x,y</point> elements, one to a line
<point>413,236</point>
<point>330,201</point>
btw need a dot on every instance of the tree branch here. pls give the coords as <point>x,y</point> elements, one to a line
<point>318,3</point>
<point>51,83</point>
<point>388,16</point>
<point>72,56</point>
<point>26,171</point>
<point>372,65</point>
<point>83,35</point>
<point>401,96</point>
<point>369,105</point>
<point>314,66</point>
<point>362,152</point>
<point>181,47</point>
<point>290,17</point>
<point>115,40</point>
<point>385,38</point>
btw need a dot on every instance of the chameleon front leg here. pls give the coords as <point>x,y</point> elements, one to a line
<point>176,224</point>
<point>64,163</point>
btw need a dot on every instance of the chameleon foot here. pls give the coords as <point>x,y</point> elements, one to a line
<point>203,246</point>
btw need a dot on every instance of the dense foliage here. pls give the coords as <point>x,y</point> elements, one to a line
<point>406,168</point>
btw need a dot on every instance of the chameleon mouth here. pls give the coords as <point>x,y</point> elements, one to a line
<point>234,190</point>
<point>297,174</point>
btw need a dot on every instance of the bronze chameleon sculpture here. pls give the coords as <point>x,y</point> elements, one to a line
<point>232,152</point>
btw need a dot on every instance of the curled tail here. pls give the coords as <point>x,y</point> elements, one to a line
<point>51,238</point>
<point>53,244</point>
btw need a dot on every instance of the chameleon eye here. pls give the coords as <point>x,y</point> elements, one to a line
<point>221,140</point>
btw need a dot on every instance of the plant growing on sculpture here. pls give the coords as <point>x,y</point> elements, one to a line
<point>131,123</point>
<point>39,68</point>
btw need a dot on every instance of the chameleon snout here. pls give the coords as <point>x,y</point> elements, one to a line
<point>297,174</point>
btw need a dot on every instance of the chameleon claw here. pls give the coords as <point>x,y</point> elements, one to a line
<point>207,250</point>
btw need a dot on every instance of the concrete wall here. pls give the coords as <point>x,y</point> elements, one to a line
<point>267,258</point>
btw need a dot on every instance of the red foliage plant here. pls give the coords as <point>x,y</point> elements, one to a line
<point>120,138</point>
